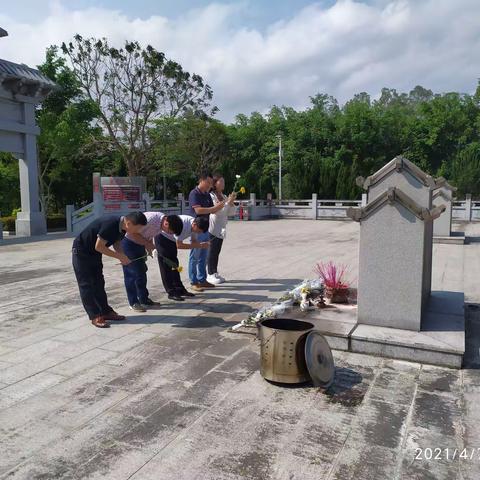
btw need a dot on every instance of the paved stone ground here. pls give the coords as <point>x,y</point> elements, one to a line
<point>171,395</point>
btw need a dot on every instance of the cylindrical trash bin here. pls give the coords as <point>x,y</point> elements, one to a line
<point>282,350</point>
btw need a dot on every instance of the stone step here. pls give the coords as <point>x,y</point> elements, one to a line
<point>456,238</point>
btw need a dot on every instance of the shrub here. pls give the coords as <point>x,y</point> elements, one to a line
<point>8,223</point>
<point>54,222</point>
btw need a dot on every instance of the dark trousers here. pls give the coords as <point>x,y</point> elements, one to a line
<point>170,278</point>
<point>88,269</point>
<point>213,254</point>
<point>135,274</point>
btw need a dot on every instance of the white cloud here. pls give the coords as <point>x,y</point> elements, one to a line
<point>340,50</point>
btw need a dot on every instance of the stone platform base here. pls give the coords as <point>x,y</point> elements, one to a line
<point>456,238</point>
<point>441,341</point>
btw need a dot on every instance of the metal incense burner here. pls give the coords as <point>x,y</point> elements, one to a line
<point>292,351</point>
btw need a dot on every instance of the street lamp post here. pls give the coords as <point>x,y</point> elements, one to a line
<point>164,179</point>
<point>279,166</point>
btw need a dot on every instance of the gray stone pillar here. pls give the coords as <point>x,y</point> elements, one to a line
<point>69,209</point>
<point>364,199</point>
<point>183,208</point>
<point>147,202</point>
<point>253,206</point>
<point>468,207</point>
<point>30,221</point>
<point>98,209</point>
<point>314,205</point>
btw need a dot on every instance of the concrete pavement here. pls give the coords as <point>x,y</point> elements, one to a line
<point>171,394</point>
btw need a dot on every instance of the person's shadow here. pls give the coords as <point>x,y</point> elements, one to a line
<point>270,284</point>
<point>200,321</point>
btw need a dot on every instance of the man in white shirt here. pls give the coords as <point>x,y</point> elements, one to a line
<point>135,247</point>
<point>167,246</point>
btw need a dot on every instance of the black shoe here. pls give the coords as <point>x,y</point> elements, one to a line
<point>176,297</point>
<point>151,303</point>
<point>186,293</point>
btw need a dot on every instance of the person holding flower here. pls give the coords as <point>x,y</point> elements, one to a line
<point>167,246</point>
<point>217,229</point>
<point>88,248</point>
<point>135,246</point>
<point>201,205</point>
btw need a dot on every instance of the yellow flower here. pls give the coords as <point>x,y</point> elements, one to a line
<point>242,190</point>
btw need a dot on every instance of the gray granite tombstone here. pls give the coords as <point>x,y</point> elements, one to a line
<point>395,253</point>
<point>416,184</point>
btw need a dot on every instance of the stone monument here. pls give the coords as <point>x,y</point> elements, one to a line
<point>396,230</point>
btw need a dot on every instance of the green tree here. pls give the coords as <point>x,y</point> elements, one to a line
<point>66,142</point>
<point>186,146</point>
<point>9,184</point>
<point>132,87</point>
<point>465,170</point>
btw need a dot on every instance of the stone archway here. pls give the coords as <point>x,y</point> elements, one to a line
<point>21,89</point>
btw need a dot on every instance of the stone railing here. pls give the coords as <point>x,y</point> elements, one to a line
<point>311,208</point>
<point>467,210</point>
<point>250,209</point>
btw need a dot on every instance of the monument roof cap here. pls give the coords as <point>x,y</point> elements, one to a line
<point>390,196</point>
<point>399,163</point>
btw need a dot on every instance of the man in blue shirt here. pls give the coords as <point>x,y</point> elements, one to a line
<point>201,205</point>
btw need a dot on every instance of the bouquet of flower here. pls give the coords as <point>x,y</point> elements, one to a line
<point>308,293</point>
<point>310,288</point>
<point>269,311</point>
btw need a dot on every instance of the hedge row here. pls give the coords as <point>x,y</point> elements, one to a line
<point>54,222</point>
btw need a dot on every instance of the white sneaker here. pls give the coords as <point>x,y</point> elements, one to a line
<point>222,280</point>
<point>213,279</point>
